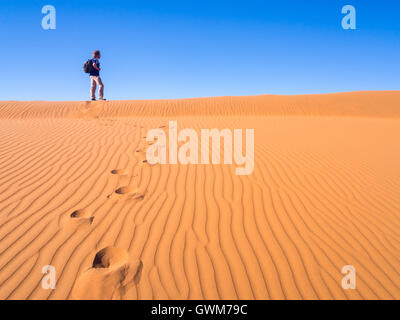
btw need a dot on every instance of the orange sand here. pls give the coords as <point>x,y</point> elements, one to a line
<point>325,193</point>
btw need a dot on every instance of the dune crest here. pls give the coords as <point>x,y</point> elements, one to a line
<point>353,104</point>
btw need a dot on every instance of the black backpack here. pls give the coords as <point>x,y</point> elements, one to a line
<point>88,66</point>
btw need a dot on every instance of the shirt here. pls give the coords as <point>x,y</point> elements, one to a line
<point>95,72</point>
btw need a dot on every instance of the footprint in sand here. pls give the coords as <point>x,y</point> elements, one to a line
<point>88,111</point>
<point>83,215</point>
<point>105,122</point>
<point>132,193</point>
<point>141,163</point>
<point>119,172</point>
<point>112,274</point>
<point>147,145</point>
<point>145,148</point>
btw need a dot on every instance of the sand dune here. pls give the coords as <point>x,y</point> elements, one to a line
<point>76,193</point>
<point>358,104</point>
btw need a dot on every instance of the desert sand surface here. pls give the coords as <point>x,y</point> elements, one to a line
<point>76,193</point>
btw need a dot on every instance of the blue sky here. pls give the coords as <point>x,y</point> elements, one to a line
<point>177,49</point>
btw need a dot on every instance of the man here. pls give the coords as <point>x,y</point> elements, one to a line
<point>95,77</point>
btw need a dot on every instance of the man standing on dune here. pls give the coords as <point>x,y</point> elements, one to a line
<point>95,77</point>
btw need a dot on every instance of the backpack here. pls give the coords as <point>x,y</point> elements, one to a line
<point>88,66</point>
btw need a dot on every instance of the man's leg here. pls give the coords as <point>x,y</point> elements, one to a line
<point>101,88</point>
<point>93,87</point>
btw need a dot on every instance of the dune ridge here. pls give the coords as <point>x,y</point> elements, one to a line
<point>325,193</point>
<point>358,104</point>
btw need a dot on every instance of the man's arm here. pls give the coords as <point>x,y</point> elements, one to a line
<point>96,67</point>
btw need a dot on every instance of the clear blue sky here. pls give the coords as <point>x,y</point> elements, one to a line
<point>178,49</point>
